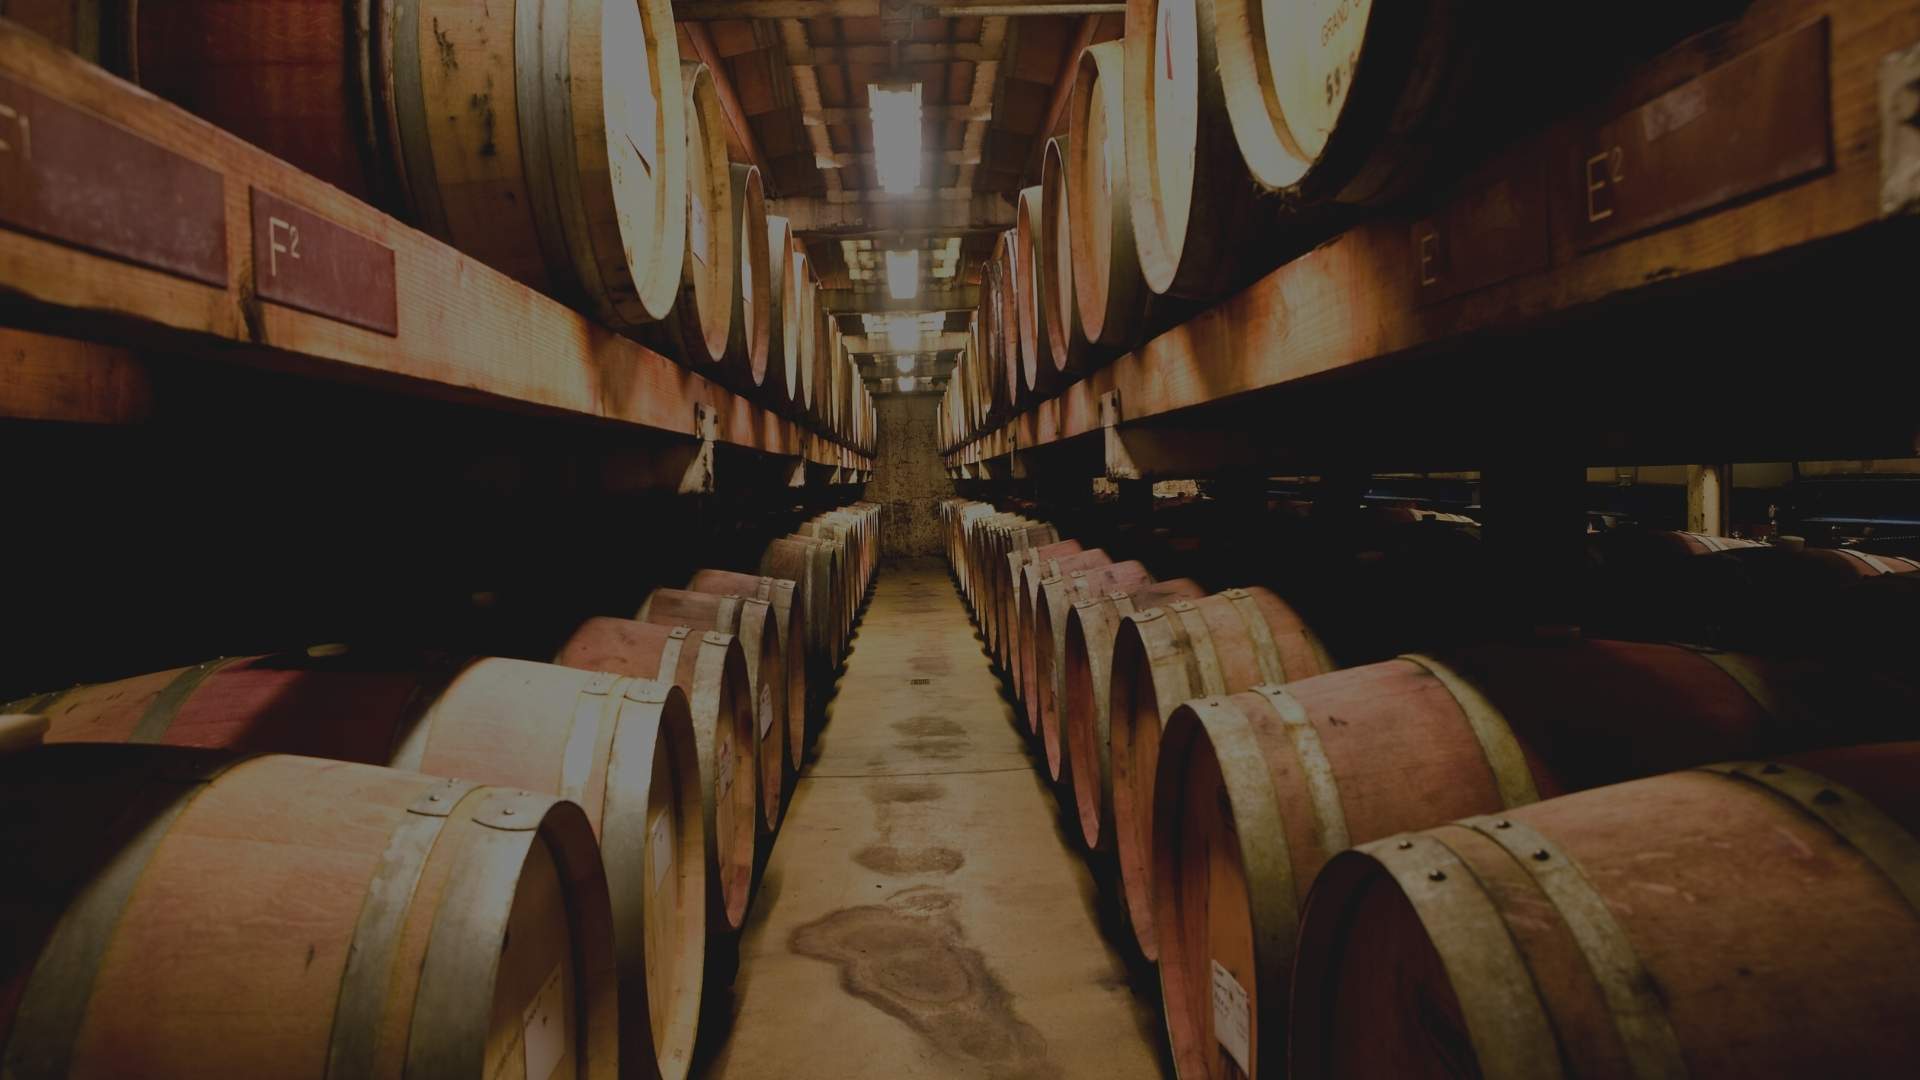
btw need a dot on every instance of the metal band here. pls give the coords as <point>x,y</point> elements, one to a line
<point>1638,1013</point>
<point>670,654</point>
<point>410,114</point>
<point>36,704</point>
<point>1498,999</point>
<point>1265,653</point>
<point>362,997</point>
<point>1879,839</point>
<point>1713,544</point>
<point>1323,789</point>
<point>543,110</point>
<point>1203,659</point>
<point>597,697</point>
<point>1511,776</point>
<point>1875,564</point>
<point>53,1006</point>
<point>453,1005</point>
<point>166,705</point>
<point>1787,714</point>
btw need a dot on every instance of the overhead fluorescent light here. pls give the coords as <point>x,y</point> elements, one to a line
<point>903,274</point>
<point>905,364</point>
<point>906,384</point>
<point>896,136</point>
<point>903,333</point>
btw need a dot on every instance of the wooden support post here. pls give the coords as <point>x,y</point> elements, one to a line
<point>1709,498</point>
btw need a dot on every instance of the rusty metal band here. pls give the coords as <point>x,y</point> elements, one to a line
<point>359,1004</point>
<point>595,702</point>
<point>1499,1002</point>
<point>1266,860</point>
<point>1511,776</point>
<point>453,1005</point>
<point>1781,707</point>
<point>1639,1015</point>
<point>1265,653</point>
<point>1323,788</point>
<point>410,116</point>
<point>1203,658</point>
<point>167,704</point>
<point>53,1004</point>
<point>1879,839</point>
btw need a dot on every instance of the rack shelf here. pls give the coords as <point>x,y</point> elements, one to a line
<point>126,221</point>
<point>1738,171</point>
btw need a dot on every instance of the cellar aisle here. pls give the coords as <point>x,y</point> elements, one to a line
<point>921,916</point>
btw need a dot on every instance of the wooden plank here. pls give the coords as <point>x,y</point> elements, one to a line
<point>464,331</point>
<point>1360,297</point>
<point>910,52</point>
<point>59,379</point>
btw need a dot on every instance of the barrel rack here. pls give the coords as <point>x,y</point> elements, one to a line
<point>131,229</point>
<point>1699,264</point>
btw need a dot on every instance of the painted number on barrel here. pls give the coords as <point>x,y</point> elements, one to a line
<point>1232,1019</point>
<point>544,1028</point>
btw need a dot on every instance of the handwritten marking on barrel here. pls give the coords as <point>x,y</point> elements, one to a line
<point>25,124</point>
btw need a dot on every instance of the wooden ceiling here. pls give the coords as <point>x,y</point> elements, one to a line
<point>993,75</point>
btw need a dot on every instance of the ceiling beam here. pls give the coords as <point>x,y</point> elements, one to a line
<point>983,212</point>
<point>968,113</point>
<point>930,341</point>
<point>910,52</point>
<point>855,159</point>
<point>702,10</point>
<point>951,298</point>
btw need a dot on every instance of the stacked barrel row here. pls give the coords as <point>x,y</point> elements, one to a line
<point>568,145</point>
<point>1556,856</point>
<point>1219,139</point>
<point>340,862</point>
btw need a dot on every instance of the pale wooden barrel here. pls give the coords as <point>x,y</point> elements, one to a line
<point>783,325</point>
<point>799,330</point>
<point>1036,361</point>
<point>1066,340</point>
<point>173,911</point>
<point>1107,286</point>
<point>701,326</point>
<point>1039,636</point>
<point>750,326</point>
<point>789,600</point>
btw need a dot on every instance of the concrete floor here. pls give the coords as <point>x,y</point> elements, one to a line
<point>922,915</point>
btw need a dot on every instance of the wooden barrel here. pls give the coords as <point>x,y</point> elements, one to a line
<point>991,315</point>
<point>812,562</point>
<point>172,911</point>
<point>1005,298</point>
<point>783,324</point>
<point>701,325</point>
<point>546,141</point>
<point>1763,599</point>
<point>1162,656</point>
<point>800,327</point>
<point>1038,633</point>
<point>1196,222</point>
<point>1308,769</point>
<point>1036,363</point>
<point>711,669</point>
<point>751,621</point>
<point>1012,597</point>
<point>837,535</point>
<point>1067,346</point>
<point>1344,103</point>
<point>789,600</point>
<point>1002,542</point>
<point>1084,715</point>
<point>1107,286</point>
<point>749,326</point>
<point>1749,918</point>
<point>499,721</point>
<point>973,524</point>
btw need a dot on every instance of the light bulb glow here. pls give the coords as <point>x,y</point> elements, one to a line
<point>903,274</point>
<point>903,333</point>
<point>904,363</point>
<point>896,136</point>
<point>906,384</point>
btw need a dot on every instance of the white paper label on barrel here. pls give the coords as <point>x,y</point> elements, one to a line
<point>544,1028</point>
<point>697,228</point>
<point>1232,1024</point>
<point>660,847</point>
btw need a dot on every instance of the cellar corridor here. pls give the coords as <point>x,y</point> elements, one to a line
<point>920,875</point>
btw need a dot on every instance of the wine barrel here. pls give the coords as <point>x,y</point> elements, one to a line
<point>1748,918</point>
<point>789,600</point>
<point>1013,596</point>
<point>711,670</point>
<point>177,912</point>
<point>1000,541</point>
<point>749,326</point>
<point>1100,578</point>
<point>1084,715</point>
<point>1341,103</point>
<point>1308,769</point>
<point>1107,286</point>
<point>1004,294</point>
<point>1763,599</point>
<point>1037,634</point>
<point>800,326</point>
<point>548,141</point>
<point>1036,363</point>
<point>783,325</point>
<point>621,748</point>
<point>814,563</point>
<point>1162,656</point>
<point>836,534</point>
<point>1067,346</point>
<point>751,621</point>
<point>701,324</point>
<point>1197,223</point>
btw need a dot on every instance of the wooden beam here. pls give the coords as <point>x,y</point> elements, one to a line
<point>857,159</point>
<point>729,103</point>
<point>906,52</point>
<point>836,115</point>
<point>952,298</point>
<point>931,341</point>
<point>882,213</point>
<point>708,10</point>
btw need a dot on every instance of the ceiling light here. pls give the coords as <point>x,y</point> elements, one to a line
<point>904,363</point>
<point>906,384</point>
<point>896,136</point>
<point>903,274</point>
<point>903,333</point>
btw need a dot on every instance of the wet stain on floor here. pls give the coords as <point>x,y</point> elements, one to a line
<point>909,862</point>
<point>909,958</point>
<point>922,727</point>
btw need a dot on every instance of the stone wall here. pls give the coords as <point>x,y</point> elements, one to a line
<point>909,479</point>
